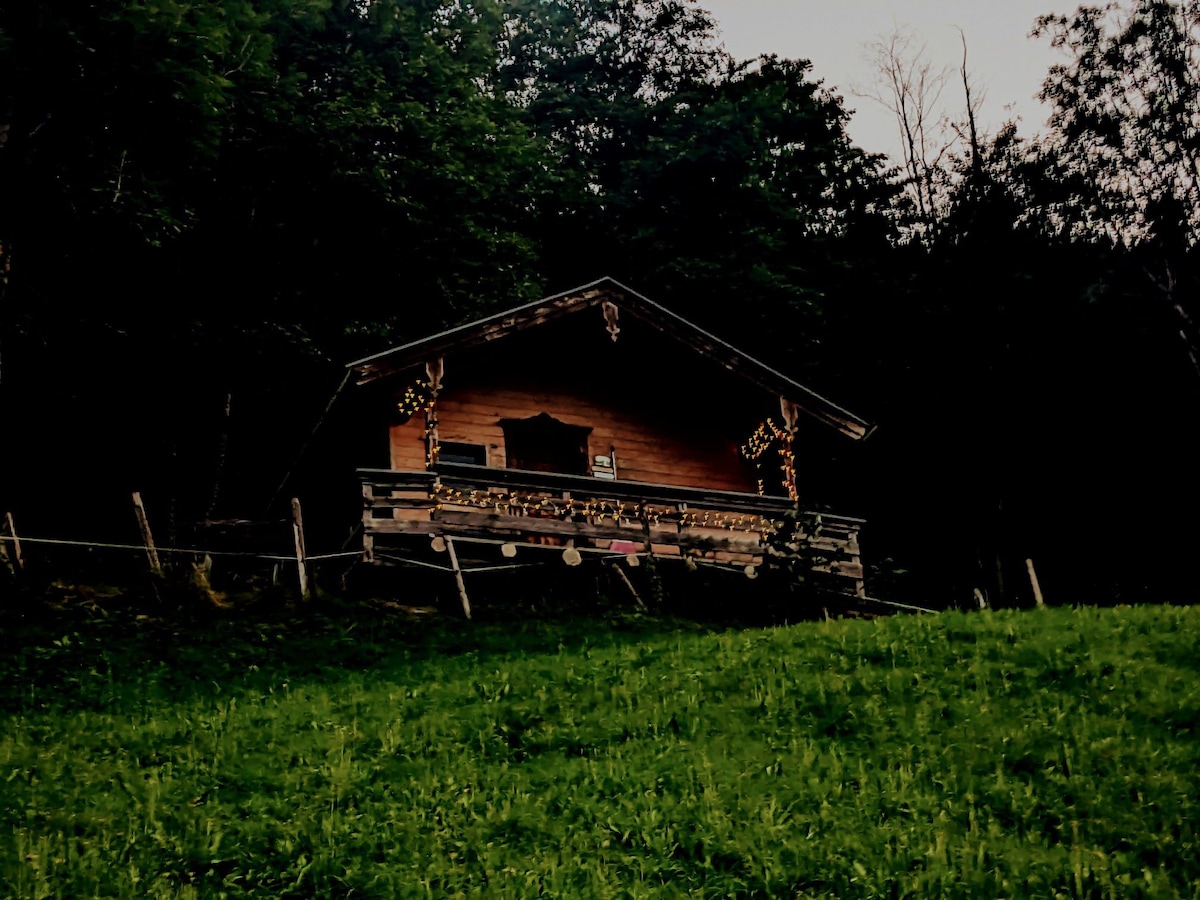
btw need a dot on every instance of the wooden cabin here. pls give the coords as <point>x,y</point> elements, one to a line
<point>598,422</point>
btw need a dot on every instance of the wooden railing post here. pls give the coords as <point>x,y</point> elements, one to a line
<point>368,494</point>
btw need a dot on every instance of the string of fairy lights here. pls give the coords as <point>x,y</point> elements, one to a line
<point>419,397</point>
<point>631,514</point>
<point>768,436</point>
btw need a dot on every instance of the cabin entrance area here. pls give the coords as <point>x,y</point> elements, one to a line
<point>542,443</point>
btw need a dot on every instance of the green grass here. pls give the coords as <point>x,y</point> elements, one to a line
<point>1051,753</point>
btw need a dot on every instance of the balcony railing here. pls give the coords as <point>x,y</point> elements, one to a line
<point>519,506</point>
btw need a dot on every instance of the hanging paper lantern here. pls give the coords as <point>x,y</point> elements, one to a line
<point>571,556</point>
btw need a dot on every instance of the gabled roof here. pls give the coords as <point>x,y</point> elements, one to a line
<point>629,302</point>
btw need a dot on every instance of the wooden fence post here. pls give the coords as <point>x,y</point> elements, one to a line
<point>147,538</point>
<point>1033,580</point>
<point>301,557</point>
<point>14,560</point>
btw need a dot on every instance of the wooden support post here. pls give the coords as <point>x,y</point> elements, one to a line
<point>301,557</point>
<point>1033,580</point>
<point>147,538</point>
<point>458,578</point>
<point>616,567</point>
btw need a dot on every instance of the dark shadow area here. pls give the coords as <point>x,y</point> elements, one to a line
<point>124,644</point>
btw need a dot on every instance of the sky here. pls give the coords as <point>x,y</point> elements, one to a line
<point>1006,65</point>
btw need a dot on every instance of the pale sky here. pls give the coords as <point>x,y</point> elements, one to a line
<point>1007,66</point>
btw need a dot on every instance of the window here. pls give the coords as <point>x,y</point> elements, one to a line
<point>454,452</point>
<point>542,443</point>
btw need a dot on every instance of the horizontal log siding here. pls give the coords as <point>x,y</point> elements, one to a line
<point>651,446</point>
<point>408,444</point>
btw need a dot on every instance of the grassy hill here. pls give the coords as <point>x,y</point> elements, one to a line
<point>1049,753</point>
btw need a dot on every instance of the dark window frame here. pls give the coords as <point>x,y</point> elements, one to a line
<point>462,452</point>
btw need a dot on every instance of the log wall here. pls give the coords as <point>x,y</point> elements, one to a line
<point>650,446</point>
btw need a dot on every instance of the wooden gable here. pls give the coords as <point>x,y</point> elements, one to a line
<point>617,310</point>
<point>651,409</point>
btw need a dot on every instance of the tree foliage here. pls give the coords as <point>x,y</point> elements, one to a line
<point>687,173</point>
<point>1126,125</point>
<point>1036,339</point>
<point>226,198</point>
<point>208,207</point>
<point>1126,111</point>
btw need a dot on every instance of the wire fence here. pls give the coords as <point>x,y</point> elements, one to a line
<point>24,554</point>
<point>15,556</point>
<point>185,551</point>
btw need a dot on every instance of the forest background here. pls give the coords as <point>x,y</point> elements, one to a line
<point>208,208</point>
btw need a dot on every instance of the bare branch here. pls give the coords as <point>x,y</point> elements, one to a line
<point>908,85</point>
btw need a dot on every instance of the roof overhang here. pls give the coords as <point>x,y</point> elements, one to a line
<point>511,321</point>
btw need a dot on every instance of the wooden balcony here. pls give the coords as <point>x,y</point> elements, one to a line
<point>480,505</point>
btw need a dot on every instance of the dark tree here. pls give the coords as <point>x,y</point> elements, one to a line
<point>1127,122</point>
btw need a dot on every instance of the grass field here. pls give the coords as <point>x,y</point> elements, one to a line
<point>1048,753</point>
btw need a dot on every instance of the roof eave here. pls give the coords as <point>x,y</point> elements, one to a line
<point>406,356</point>
<point>497,325</point>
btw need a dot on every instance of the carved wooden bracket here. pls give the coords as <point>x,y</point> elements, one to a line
<point>610,317</point>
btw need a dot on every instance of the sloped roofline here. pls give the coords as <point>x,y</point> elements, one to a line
<point>519,318</point>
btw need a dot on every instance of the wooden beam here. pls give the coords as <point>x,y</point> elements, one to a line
<point>422,502</point>
<point>465,475</point>
<point>616,567</point>
<point>504,523</point>
<point>521,529</point>
<point>475,334</point>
